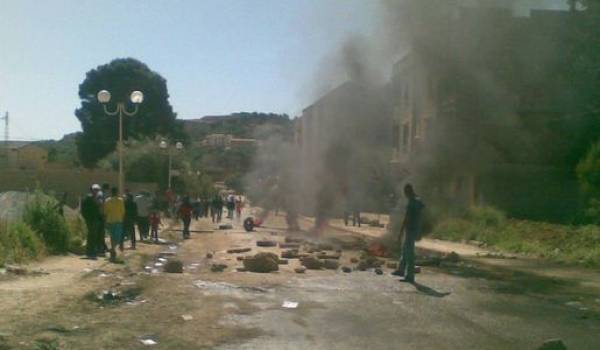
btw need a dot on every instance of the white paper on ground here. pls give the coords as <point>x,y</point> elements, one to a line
<point>148,342</point>
<point>290,304</point>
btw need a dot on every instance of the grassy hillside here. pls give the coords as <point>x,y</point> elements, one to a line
<point>241,125</point>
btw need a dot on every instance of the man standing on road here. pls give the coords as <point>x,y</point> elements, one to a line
<point>114,213</point>
<point>185,212</point>
<point>131,214</point>
<point>100,198</point>
<point>91,213</point>
<point>144,203</point>
<point>216,209</point>
<point>411,227</point>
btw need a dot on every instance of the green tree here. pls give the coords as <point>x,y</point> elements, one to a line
<point>588,172</point>
<point>121,77</point>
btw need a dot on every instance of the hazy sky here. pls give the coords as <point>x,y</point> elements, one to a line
<point>218,56</point>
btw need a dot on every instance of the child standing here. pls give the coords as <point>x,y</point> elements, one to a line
<point>154,222</point>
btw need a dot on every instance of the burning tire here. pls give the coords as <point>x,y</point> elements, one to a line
<point>249,224</point>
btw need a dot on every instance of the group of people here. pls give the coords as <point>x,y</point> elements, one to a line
<point>213,207</point>
<point>118,216</point>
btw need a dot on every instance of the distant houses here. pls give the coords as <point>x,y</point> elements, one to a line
<point>227,141</point>
<point>22,155</point>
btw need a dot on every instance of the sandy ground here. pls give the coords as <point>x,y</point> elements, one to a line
<point>470,305</point>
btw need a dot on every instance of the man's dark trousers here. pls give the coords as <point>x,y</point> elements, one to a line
<point>92,240</point>
<point>407,262</point>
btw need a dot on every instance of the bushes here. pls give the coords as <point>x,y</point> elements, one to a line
<point>486,216</point>
<point>43,217</point>
<point>19,243</point>
<point>572,244</point>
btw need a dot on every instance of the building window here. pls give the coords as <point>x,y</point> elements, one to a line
<point>396,137</point>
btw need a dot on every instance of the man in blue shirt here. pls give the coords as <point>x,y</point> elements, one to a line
<point>411,227</point>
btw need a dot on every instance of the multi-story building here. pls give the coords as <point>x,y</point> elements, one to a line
<point>469,116</point>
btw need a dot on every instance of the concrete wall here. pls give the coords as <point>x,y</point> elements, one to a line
<point>60,180</point>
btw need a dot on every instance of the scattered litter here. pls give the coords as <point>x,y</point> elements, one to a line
<point>218,267</point>
<point>289,245</point>
<point>238,250</point>
<point>163,260</point>
<point>227,287</point>
<point>173,247</point>
<point>575,304</point>
<point>167,253</point>
<point>289,304</point>
<point>87,270</point>
<point>155,271</point>
<point>103,275</point>
<point>148,342</point>
<point>187,317</point>
<point>266,243</point>
<point>158,264</point>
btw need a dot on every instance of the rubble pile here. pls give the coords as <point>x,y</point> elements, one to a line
<point>173,266</point>
<point>262,263</point>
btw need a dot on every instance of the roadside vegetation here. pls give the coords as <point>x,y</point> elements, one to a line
<point>562,243</point>
<point>42,230</point>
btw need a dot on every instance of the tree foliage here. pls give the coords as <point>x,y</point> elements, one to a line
<point>120,77</point>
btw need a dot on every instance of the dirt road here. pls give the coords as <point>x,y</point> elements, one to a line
<point>465,306</point>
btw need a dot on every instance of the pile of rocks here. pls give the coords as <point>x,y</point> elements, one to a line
<point>262,263</point>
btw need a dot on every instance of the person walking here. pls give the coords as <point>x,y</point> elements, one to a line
<point>217,209</point>
<point>114,214</point>
<point>92,215</point>
<point>411,227</point>
<point>131,214</point>
<point>185,212</point>
<point>239,205</point>
<point>230,206</point>
<point>101,235</point>
<point>143,202</point>
<point>154,223</point>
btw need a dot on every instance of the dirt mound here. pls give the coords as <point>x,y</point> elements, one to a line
<point>262,263</point>
<point>312,263</point>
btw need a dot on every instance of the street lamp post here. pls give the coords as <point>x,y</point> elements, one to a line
<point>136,98</point>
<point>178,146</point>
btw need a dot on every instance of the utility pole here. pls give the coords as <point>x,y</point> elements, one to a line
<point>6,133</point>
